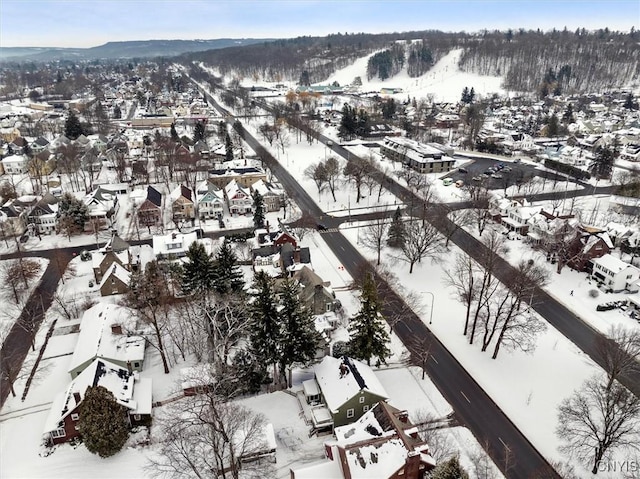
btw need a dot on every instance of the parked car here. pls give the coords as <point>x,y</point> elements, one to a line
<point>463,170</point>
<point>609,305</point>
<point>321,227</point>
<point>459,183</point>
<point>447,182</point>
<point>477,178</point>
<point>85,255</point>
<point>506,169</point>
<point>496,176</point>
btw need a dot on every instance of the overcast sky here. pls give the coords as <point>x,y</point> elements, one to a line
<point>86,23</point>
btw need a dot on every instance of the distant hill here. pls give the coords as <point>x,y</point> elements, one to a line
<point>129,49</point>
<point>551,62</point>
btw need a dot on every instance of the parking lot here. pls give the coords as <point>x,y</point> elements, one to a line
<point>486,172</point>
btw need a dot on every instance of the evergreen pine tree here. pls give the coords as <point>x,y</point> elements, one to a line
<point>174,134</point>
<point>395,236</point>
<point>265,330</point>
<point>450,469</point>
<point>258,210</point>
<point>198,132</point>
<point>348,122</point>
<point>228,147</point>
<point>102,422</point>
<point>227,276</point>
<point>117,112</point>
<point>198,271</point>
<point>250,373</point>
<point>367,330</point>
<point>72,213</point>
<point>299,338</point>
<point>465,95</point>
<point>72,126</point>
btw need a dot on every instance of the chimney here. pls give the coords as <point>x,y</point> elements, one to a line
<point>129,367</point>
<point>412,465</point>
<point>173,236</point>
<point>116,329</point>
<point>76,397</point>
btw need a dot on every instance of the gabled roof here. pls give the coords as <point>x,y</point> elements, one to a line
<point>96,339</point>
<point>154,196</point>
<point>118,272</point>
<point>182,191</point>
<point>128,390</point>
<point>338,390</point>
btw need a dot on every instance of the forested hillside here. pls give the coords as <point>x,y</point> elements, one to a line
<point>558,60</point>
<point>534,61</point>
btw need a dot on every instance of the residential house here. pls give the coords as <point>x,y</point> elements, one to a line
<point>588,244</point>
<point>102,205</point>
<point>551,232</point>
<point>315,294</point>
<point>615,275</point>
<point>103,336</point>
<point>239,201</point>
<point>116,280</point>
<point>420,157</point>
<point>43,215</point>
<point>14,215</point>
<point>272,197</point>
<point>243,176</point>
<point>104,258</point>
<point>175,245</point>
<point>39,145</point>
<point>518,216</point>
<point>382,444</point>
<point>128,389</point>
<point>348,389</point>
<point>150,211</point>
<point>15,164</point>
<point>210,201</point>
<point>182,204</point>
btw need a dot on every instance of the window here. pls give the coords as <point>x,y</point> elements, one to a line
<point>74,417</point>
<point>136,364</point>
<point>58,433</point>
<point>350,413</point>
<point>361,399</point>
<point>329,306</point>
<point>76,427</point>
<point>365,408</point>
<point>136,417</point>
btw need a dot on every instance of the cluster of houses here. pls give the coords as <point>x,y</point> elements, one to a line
<point>569,242</point>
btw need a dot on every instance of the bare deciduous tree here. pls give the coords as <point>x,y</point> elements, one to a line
<point>203,436</point>
<point>620,352</point>
<point>373,236</point>
<point>421,240</point>
<point>597,419</point>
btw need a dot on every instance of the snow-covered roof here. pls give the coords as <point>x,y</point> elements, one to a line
<point>118,380</point>
<point>96,339</point>
<point>173,243</point>
<point>98,257</point>
<point>119,272</point>
<point>612,263</point>
<point>338,390</point>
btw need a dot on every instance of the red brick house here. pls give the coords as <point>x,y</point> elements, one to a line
<point>588,244</point>
<point>127,387</point>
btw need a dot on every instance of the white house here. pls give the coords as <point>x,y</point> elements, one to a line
<point>238,199</point>
<point>615,275</point>
<point>15,164</point>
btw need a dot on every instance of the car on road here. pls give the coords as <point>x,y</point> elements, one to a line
<point>329,143</point>
<point>506,169</point>
<point>322,227</point>
<point>463,170</point>
<point>459,184</point>
<point>496,176</point>
<point>477,178</point>
<point>447,182</point>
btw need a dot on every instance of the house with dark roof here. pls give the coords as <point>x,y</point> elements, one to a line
<point>150,210</point>
<point>43,215</point>
<point>589,243</point>
<point>315,294</point>
<point>116,280</point>
<point>182,204</point>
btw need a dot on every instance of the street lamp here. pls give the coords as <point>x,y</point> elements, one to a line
<point>433,300</point>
